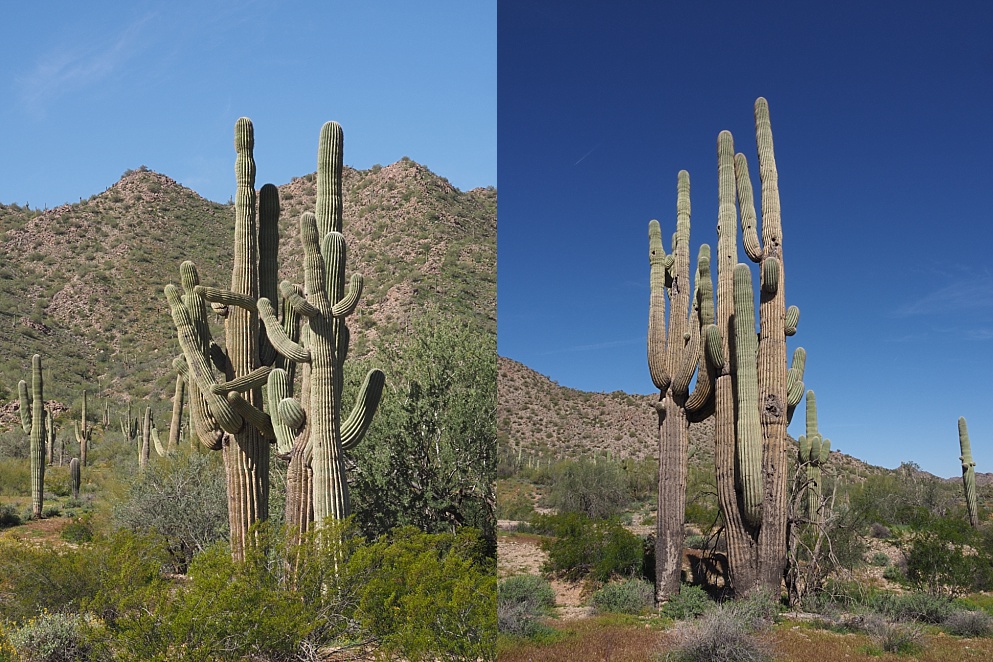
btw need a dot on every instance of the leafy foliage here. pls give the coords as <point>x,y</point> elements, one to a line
<point>595,489</point>
<point>429,459</point>
<point>631,596</point>
<point>521,600</point>
<point>583,547</point>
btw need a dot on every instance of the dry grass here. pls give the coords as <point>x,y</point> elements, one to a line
<point>609,639</point>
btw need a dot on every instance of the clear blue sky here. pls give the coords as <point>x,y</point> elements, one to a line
<point>90,89</point>
<point>882,114</point>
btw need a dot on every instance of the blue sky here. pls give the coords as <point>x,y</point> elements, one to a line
<point>88,90</point>
<point>882,115</point>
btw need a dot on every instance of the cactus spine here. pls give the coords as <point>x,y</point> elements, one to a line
<point>74,477</point>
<point>814,451</point>
<point>968,474</point>
<point>83,432</point>
<point>313,427</point>
<point>751,386</point>
<point>673,357</point>
<point>34,424</point>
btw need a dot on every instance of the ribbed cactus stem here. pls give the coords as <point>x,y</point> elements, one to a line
<point>36,401</point>
<point>968,474</point>
<point>749,439</point>
<point>814,456</point>
<point>146,440</point>
<point>83,433</point>
<point>74,477</point>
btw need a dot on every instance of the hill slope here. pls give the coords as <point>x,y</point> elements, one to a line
<point>82,283</point>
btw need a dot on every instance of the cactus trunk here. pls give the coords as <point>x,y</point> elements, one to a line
<point>968,474</point>
<point>674,354</point>
<point>34,424</point>
<point>74,477</point>
<point>752,404</point>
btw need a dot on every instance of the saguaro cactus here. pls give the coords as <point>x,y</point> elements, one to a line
<point>146,438</point>
<point>752,385</point>
<point>83,433</point>
<point>313,426</point>
<point>34,424</point>
<point>673,358</point>
<point>74,477</point>
<point>227,411</point>
<point>968,474</point>
<point>814,450</point>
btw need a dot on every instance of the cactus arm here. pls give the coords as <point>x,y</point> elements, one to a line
<point>296,300</point>
<point>255,416</point>
<point>346,306</point>
<point>749,437</point>
<point>792,319</point>
<point>157,442</point>
<point>176,423</point>
<point>353,429</point>
<point>226,417</point>
<point>25,409</point>
<point>278,337</point>
<point>329,182</point>
<point>254,379</point>
<point>656,310</point>
<point>278,389</point>
<point>216,295</point>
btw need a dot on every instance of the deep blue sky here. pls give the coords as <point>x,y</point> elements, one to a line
<point>882,115</point>
<point>90,89</point>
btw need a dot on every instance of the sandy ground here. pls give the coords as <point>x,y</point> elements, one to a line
<point>521,555</point>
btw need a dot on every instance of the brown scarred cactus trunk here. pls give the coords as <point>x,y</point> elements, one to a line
<point>674,354</point>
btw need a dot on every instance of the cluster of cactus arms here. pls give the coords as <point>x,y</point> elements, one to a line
<point>968,474</point>
<point>83,432</point>
<point>74,477</point>
<point>754,392</point>
<point>310,429</point>
<point>675,354</point>
<point>814,450</point>
<point>227,410</point>
<point>130,427</point>
<point>34,424</point>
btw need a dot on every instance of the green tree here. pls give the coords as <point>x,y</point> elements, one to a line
<point>429,459</point>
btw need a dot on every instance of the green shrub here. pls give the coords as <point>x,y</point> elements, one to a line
<point>690,602</point>
<point>518,507</point>
<point>77,531</point>
<point>584,547</point>
<point>51,511</point>
<point>597,490</point>
<point>631,596</point>
<point>945,556</point>
<point>9,516</point>
<point>880,559</point>
<point>15,475</point>
<point>695,542</point>
<point>921,607</point>
<point>428,596</point>
<point>898,638</point>
<point>53,638</point>
<point>521,600</point>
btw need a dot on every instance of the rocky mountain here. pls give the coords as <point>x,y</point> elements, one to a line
<point>82,284</point>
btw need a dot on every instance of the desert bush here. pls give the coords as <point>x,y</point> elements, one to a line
<point>968,623</point>
<point>920,607</point>
<point>428,596</point>
<point>898,638</point>
<point>945,556</point>
<point>696,542</point>
<point>59,637</point>
<point>720,635</point>
<point>77,531</point>
<point>880,559</point>
<point>690,602</point>
<point>758,607</point>
<point>51,511</point>
<point>184,499</point>
<point>631,596</point>
<point>583,547</point>
<point>521,600</point>
<point>517,507</point>
<point>9,516</point>
<point>879,531</point>
<point>598,490</point>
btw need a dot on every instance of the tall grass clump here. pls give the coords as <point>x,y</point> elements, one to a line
<point>521,601</point>
<point>631,596</point>
<point>723,634</point>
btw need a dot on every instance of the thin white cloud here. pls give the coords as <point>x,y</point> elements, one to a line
<point>960,295</point>
<point>79,66</point>
<point>594,346</point>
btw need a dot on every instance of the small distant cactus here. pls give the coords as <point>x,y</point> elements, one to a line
<point>814,451</point>
<point>968,474</point>
<point>34,424</point>
<point>146,438</point>
<point>74,477</point>
<point>83,433</point>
